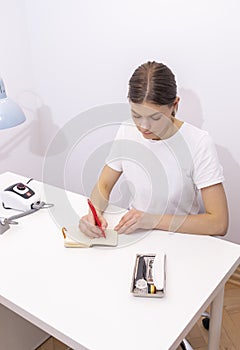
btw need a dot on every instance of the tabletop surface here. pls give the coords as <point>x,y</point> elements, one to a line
<point>82,296</point>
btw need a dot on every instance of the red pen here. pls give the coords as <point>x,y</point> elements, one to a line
<point>97,221</point>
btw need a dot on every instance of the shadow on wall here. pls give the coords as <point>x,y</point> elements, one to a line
<point>38,133</point>
<point>232,187</point>
<point>191,112</point>
<point>95,131</point>
<point>190,108</point>
<point>44,130</point>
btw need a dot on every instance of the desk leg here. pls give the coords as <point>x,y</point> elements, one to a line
<point>216,321</point>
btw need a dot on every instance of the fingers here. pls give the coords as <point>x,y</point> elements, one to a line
<point>129,222</point>
<point>124,220</point>
<point>104,225</point>
<point>129,227</point>
<point>104,222</point>
<point>88,227</point>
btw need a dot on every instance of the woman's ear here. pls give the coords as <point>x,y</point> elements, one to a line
<point>175,106</point>
<point>175,103</point>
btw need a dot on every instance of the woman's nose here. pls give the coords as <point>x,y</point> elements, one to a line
<point>144,124</point>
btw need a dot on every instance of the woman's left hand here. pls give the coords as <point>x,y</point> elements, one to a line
<point>136,219</point>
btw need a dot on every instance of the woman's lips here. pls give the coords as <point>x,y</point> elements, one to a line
<point>146,132</point>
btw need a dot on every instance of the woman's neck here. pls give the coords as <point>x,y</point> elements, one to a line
<point>172,130</point>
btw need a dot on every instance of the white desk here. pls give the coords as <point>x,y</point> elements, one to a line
<point>82,296</point>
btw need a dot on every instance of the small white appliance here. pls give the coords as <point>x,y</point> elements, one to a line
<point>19,197</point>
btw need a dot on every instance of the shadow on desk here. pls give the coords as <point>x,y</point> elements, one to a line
<point>53,344</point>
<point>25,336</point>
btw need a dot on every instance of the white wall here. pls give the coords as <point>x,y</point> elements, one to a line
<point>83,53</point>
<point>19,146</point>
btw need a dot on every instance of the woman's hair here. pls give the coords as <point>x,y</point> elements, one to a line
<point>153,82</point>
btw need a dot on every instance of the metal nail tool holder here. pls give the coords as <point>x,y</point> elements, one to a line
<point>149,276</point>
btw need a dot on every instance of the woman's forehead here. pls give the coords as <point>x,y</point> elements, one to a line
<point>146,108</point>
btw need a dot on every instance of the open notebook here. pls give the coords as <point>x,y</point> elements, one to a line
<point>74,238</point>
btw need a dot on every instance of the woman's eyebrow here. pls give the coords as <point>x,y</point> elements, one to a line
<point>151,115</point>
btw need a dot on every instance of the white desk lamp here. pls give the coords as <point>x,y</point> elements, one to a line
<point>10,113</point>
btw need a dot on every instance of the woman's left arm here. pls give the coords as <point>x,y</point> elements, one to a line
<point>213,222</point>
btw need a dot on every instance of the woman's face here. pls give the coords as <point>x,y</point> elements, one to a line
<point>153,121</point>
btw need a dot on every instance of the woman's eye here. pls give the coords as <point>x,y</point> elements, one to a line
<point>136,116</point>
<point>157,117</point>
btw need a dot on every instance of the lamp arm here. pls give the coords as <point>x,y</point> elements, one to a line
<point>2,89</point>
<point>5,222</point>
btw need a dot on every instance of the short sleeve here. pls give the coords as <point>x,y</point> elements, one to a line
<point>207,168</point>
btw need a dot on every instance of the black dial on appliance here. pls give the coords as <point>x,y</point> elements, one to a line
<point>17,188</point>
<point>21,186</point>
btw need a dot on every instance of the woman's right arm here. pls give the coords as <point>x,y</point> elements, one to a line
<point>99,197</point>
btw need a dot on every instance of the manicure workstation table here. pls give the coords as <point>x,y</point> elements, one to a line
<point>82,295</point>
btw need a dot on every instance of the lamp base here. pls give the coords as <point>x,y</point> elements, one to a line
<point>4,228</point>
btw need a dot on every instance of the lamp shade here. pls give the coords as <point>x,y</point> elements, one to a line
<point>10,113</point>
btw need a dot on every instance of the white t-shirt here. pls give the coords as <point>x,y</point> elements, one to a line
<point>165,176</point>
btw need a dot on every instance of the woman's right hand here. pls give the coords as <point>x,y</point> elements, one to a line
<point>89,228</point>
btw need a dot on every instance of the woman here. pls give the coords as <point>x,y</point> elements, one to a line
<point>169,164</point>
